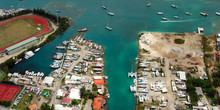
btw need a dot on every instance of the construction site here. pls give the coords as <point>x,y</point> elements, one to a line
<point>163,63</point>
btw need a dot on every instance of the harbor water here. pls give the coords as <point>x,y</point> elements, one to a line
<point>121,46</point>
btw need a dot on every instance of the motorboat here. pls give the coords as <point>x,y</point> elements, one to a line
<point>177,17</point>
<point>217,13</point>
<point>163,18</point>
<point>104,7</point>
<point>133,88</point>
<point>83,30</point>
<point>174,6</point>
<point>188,13</point>
<point>160,13</point>
<point>204,14</point>
<point>36,50</point>
<point>111,14</point>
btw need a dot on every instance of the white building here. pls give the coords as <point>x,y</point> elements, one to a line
<point>48,81</point>
<point>60,93</point>
<point>74,94</point>
<point>182,75</point>
<point>61,107</point>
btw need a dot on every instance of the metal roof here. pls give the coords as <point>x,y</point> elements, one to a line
<point>20,44</point>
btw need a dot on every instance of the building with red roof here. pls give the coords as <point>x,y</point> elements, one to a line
<point>99,103</point>
<point>66,101</point>
<point>99,82</point>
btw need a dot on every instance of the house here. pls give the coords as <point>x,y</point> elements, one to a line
<point>182,75</point>
<point>74,94</point>
<point>60,93</point>
<point>99,82</point>
<point>98,103</point>
<point>88,87</point>
<point>32,107</point>
<point>66,101</point>
<point>199,91</point>
<point>48,81</point>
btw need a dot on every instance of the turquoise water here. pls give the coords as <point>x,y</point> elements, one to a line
<point>131,17</point>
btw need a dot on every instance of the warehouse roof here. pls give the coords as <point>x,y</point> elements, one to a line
<point>21,43</point>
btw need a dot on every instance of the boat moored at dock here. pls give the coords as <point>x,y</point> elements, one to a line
<point>29,54</point>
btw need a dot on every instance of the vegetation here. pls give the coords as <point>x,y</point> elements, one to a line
<point>5,103</point>
<point>75,102</point>
<point>191,90</point>
<point>179,41</point>
<point>45,106</point>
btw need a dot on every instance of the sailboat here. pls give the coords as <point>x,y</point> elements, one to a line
<point>108,27</point>
<point>149,4</point>
<point>131,74</point>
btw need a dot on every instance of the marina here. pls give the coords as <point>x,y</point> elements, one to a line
<point>122,36</point>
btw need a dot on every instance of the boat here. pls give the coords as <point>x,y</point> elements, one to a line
<point>131,74</point>
<point>83,30</point>
<point>141,98</point>
<point>29,54</point>
<point>204,14</point>
<point>188,13</point>
<point>217,13</point>
<point>36,50</point>
<point>160,13</point>
<point>149,4</point>
<point>174,6</point>
<point>111,14</point>
<point>104,7</point>
<point>177,17</point>
<point>19,60</point>
<point>133,88</point>
<point>109,28</point>
<point>163,18</point>
<point>108,95</point>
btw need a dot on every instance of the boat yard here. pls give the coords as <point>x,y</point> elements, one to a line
<point>163,63</point>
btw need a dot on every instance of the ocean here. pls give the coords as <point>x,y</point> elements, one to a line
<point>121,46</point>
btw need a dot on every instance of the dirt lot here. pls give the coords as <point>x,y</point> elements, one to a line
<point>15,31</point>
<point>182,55</point>
<point>179,50</point>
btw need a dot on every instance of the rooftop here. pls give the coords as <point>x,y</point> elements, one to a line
<point>99,81</point>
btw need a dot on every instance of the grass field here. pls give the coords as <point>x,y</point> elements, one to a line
<point>15,31</point>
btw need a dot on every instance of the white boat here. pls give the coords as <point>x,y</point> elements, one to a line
<point>111,14</point>
<point>104,7</point>
<point>177,17</point>
<point>29,54</point>
<point>133,88</point>
<point>188,13</point>
<point>36,50</point>
<point>204,14</point>
<point>108,96</point>
<point>217,13</point>
<point>141,98</point>
<point>163,18</point>
<point>145,97</point>
<point>160,13</point>
<point>174,6</point>
<point>109,28</point>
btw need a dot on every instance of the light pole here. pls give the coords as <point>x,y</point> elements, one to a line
<point>57,13</point>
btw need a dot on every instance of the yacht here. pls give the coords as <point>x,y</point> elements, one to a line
<point>108,96</point>
<point>83,30</point>
<point>29,54</point>
<point>111,14</point>
<point>160,13</point>
<point>133,88</point>
<point>141,98</point>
